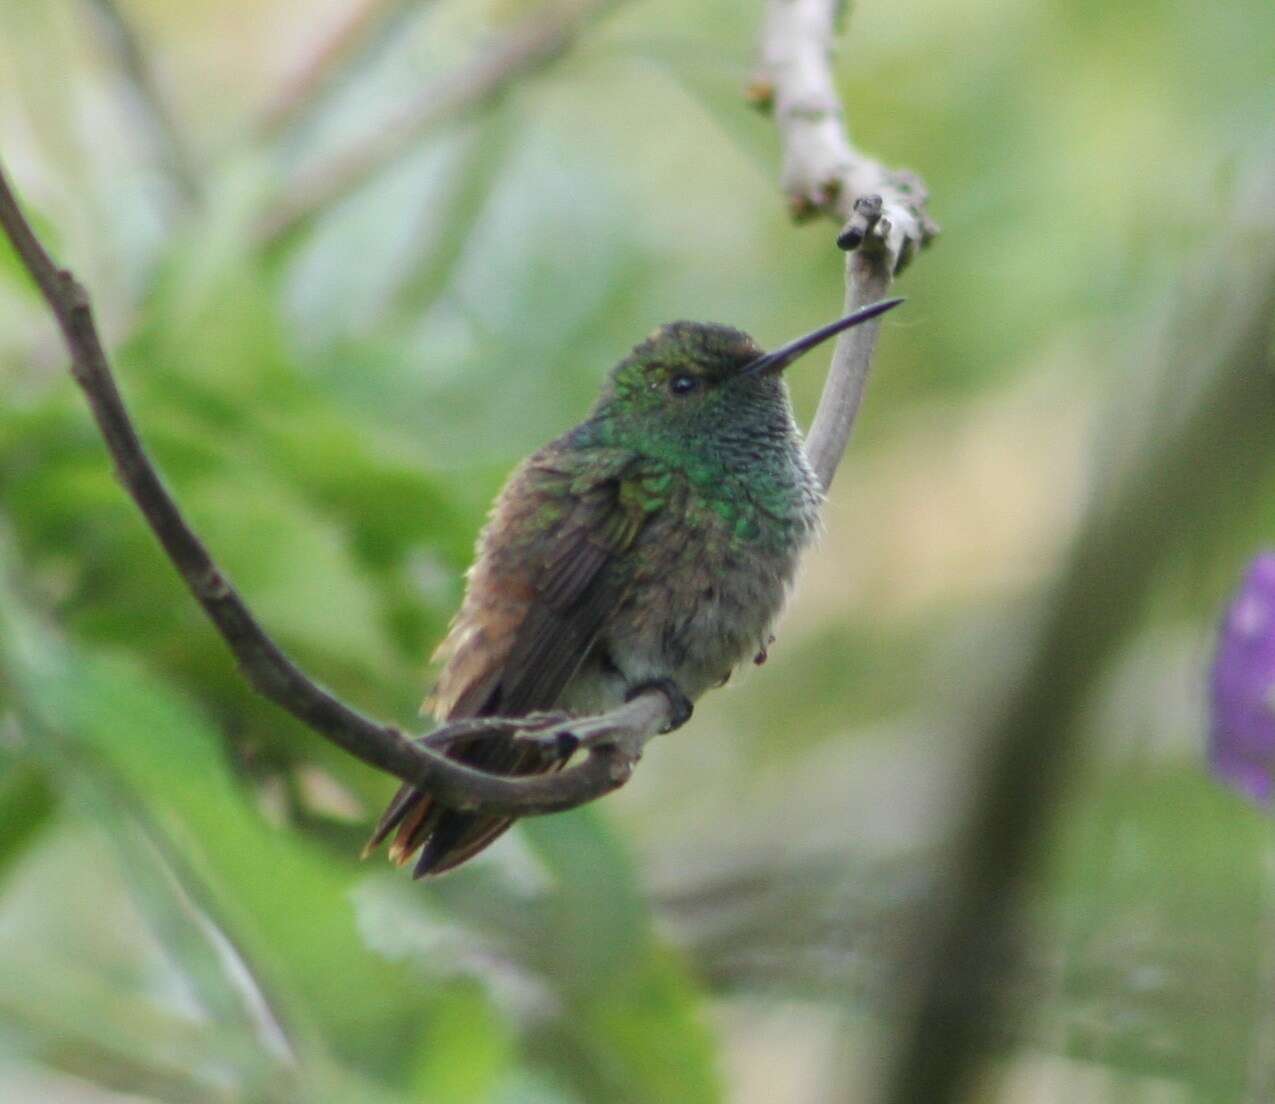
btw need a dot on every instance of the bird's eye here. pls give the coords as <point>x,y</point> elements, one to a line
<point>683,384</point>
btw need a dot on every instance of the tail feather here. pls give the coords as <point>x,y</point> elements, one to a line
<point>447,837</point>
<point>457,837</point>
<point>400,805</point>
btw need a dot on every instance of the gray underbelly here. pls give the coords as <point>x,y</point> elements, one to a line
<point>697,643</point>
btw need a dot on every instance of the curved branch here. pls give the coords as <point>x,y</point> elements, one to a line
<point>613,744</point>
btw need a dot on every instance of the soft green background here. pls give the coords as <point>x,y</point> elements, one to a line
<point>182,913</point>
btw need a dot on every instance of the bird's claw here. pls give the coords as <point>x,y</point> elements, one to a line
<point>549,731</point>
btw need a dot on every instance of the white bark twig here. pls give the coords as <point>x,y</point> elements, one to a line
<point>822,172</point>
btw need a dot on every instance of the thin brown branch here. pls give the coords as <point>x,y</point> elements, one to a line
<point>613,744</point>
<point>530,45</point>
<point>822,171</point>
<point>149,103</point>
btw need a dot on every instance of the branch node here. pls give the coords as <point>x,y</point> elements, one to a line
<point>74,296</point>
<point>213,585</point>
<point>759,94</point>
<point>802,208</point>
<point>866,214</point>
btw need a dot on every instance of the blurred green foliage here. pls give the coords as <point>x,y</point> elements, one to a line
<point>182,915</point>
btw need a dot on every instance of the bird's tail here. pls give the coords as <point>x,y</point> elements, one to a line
<point>447,837</point>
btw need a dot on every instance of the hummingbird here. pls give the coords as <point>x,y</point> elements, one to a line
<point>652,545</point>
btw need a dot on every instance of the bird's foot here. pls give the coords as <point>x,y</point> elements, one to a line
<point>559,735</point>
<point>549,731</point>
<point>680,706</point>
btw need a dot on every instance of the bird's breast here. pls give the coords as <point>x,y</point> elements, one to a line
<point>710,573</point>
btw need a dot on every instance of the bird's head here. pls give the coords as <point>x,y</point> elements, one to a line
<point>695,375</point>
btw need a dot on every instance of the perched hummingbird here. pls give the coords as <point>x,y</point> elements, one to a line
<point>651,545</point>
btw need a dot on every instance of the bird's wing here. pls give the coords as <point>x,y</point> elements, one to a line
<point>548,573</point>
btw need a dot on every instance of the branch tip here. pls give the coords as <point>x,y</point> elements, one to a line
<point>822,172</point>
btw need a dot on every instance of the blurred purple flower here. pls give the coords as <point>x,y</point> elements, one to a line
<point>1242,739</point>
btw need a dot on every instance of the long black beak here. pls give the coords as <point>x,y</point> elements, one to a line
<point>777,361</point>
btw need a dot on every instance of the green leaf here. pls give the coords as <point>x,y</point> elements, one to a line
<point>286,904</point>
